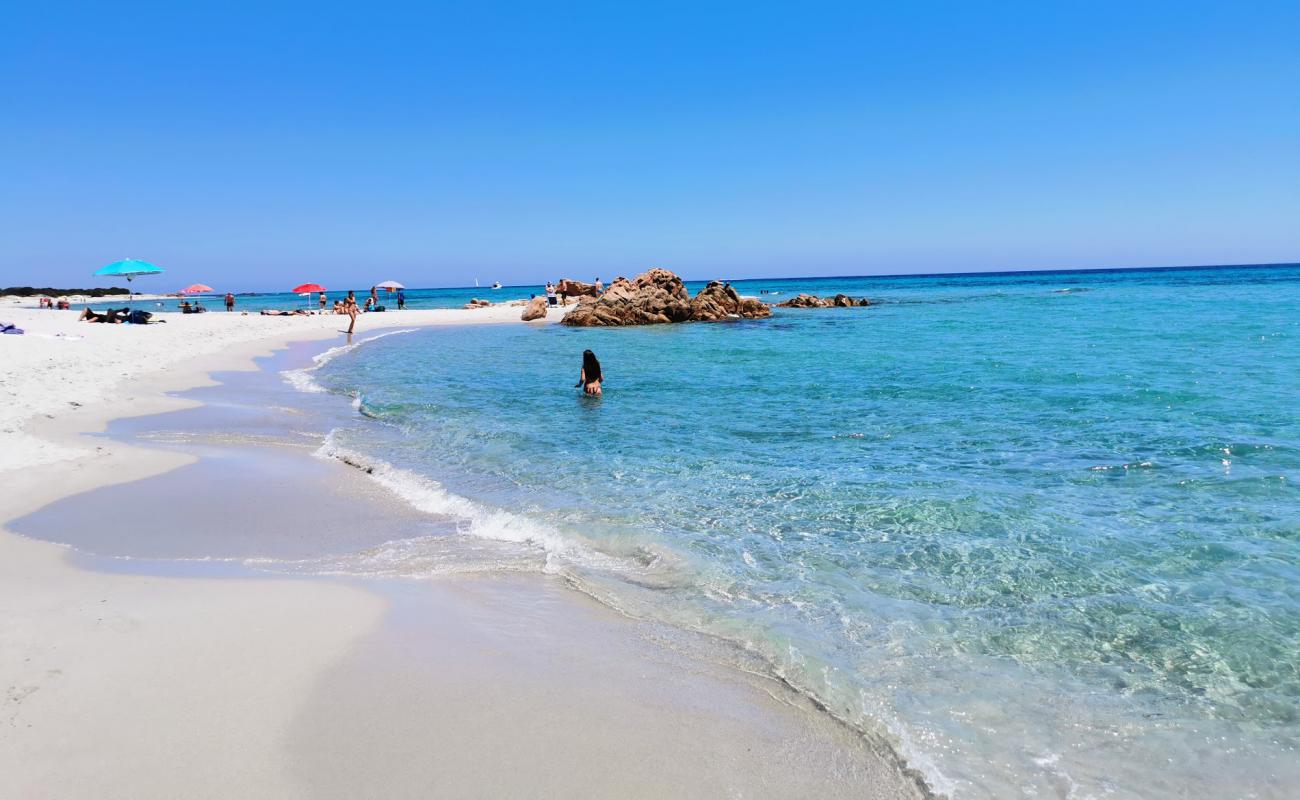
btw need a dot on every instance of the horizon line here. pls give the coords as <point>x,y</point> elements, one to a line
<point>920,274</point>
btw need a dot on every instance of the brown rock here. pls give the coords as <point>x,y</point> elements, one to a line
<point>573,288</point>
<point>813,301</point>
<point>804,301</point>
<point>536,309</point>
<point>658,296</point>
<point>719,301</point>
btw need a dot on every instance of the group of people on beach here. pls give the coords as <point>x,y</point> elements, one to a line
<point>118,316</point>
<point>554,297</point>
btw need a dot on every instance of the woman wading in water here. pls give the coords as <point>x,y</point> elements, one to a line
<point>591,376</point>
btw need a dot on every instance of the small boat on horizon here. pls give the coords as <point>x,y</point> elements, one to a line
<point>496,284</point>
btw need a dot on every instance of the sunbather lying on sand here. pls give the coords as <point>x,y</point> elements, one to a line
<point>275,312</point>
<point>115,316</point>
<point>111,316</point>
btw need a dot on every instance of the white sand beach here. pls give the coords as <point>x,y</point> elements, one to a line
<point>61,366</point>
<point>179,684</point>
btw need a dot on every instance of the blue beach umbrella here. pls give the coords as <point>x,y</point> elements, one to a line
<point>128,268</point>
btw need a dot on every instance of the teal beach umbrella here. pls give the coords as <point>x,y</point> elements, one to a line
<point>128,268</point>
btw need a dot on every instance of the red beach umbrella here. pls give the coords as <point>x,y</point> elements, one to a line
<point>308,289</point>
<point>196,288</point>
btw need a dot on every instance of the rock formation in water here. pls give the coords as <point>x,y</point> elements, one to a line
<point>719,301</point>
<point>571,288</point>
<point>813,301</point>
<point>536,309</point>
<point>658,296</point>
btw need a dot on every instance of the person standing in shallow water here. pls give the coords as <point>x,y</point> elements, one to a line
<point>591,377</point>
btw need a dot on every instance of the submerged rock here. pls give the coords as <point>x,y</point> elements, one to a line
<point>658,296</point>
<point>536,309</point>
<point>803,301</point>
<point>813,301</point>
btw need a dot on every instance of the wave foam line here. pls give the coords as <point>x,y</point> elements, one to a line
<point>471,518</point>
<point>559,551</point>
<point>302,380</point>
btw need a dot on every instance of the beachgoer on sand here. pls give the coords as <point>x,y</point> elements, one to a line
<point>600,287</point>
<point>551,299</point>
<point>230,302</point>
<point>401,299</point>
<point>591,377</point>
<point>110,317</point>
<point>350,308</point>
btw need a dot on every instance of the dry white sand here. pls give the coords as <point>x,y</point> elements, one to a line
<point>141,686</point>
<point>60,365</point>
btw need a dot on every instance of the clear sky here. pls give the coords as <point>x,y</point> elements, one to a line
<point>254,147</point>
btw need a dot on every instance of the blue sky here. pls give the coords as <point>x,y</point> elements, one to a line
<point>254,147</point>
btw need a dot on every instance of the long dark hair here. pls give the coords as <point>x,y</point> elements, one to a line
<point>590,366</point>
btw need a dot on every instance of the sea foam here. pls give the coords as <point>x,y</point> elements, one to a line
<point>302,378</point>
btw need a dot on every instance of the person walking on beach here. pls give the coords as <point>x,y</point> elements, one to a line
<point>591,377</point>
<point>322,301</point>
<point>230,301</point>
<point>401,299</point>
<point>551,299</point>
<point>350,308</point>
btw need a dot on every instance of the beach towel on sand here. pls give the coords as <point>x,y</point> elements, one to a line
<point>8,327</point>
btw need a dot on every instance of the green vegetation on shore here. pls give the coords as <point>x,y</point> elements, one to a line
<point>32,291</point>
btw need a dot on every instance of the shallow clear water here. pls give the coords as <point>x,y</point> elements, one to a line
<point>1039,533</point>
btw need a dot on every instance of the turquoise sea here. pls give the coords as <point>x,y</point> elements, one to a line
<point>1039,533</point>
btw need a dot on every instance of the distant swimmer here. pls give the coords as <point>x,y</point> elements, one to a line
<point>591,376</point>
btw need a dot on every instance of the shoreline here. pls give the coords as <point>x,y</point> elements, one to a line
<point>287,611</point>
<point>47,375</point>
